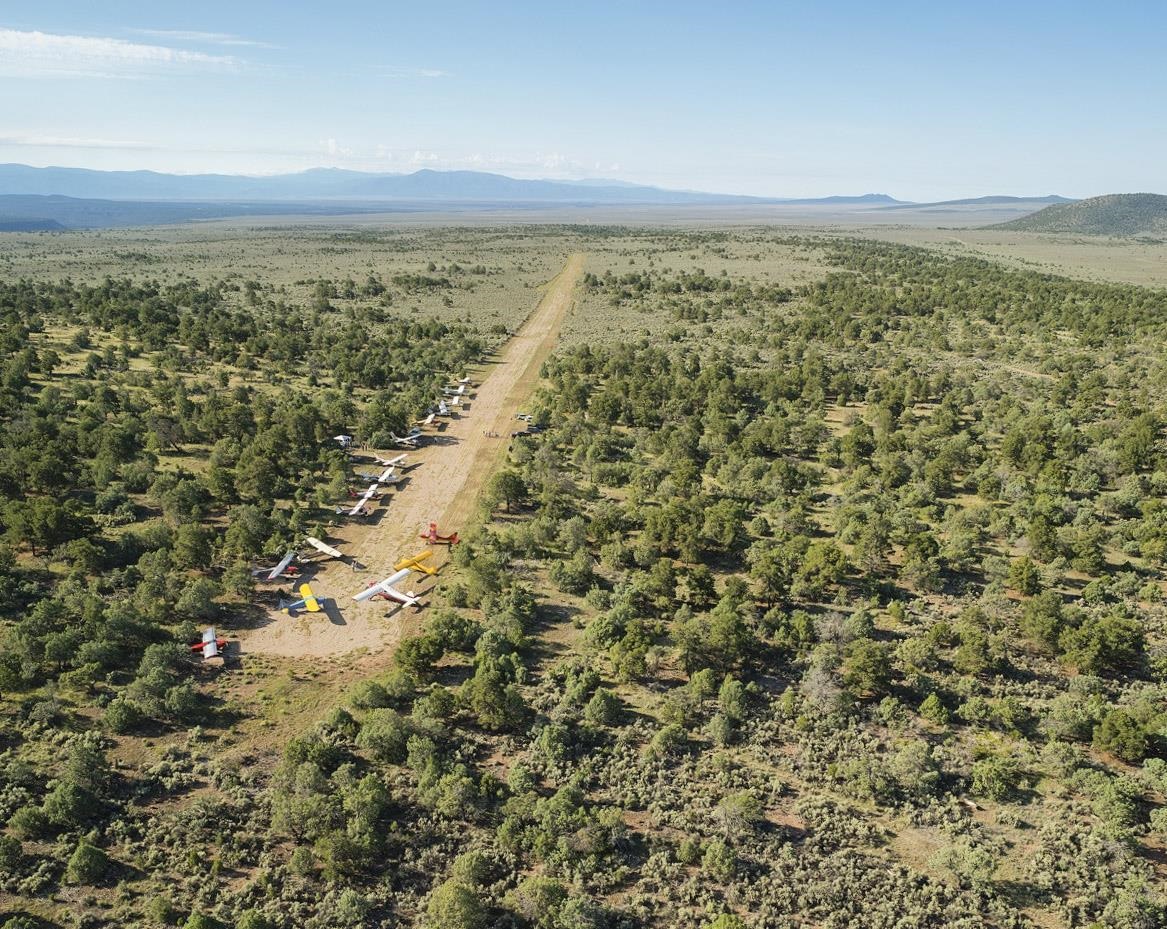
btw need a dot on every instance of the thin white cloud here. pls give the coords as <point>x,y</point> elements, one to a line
<point>35,140</point>
<point>206,38</point>
<point>396,71</point>
<point>43,54</point>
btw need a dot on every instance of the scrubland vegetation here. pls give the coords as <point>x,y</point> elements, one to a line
<point>835,600</point>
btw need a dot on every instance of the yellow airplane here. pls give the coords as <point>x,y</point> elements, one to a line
<point>415,562</point>
<point>307,602</point>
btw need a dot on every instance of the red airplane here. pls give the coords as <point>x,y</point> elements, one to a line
<point>210,645</point>
<point>432,537</point>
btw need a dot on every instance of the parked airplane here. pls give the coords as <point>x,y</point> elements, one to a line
<point>307,602</point>
<point>285,567</point>
<point>458,391</point>
<point>443,410</point>
<point>388,476</point>
<point>415,562</point>
<point>386,591</point>
<point>428,421</point>
<point>406,441</point>
<point>368,495</point>
<point>322,548</point>
<point>210,644</point>
<point>389,462</point>
<point>431,536</point>
<point>465,380</point>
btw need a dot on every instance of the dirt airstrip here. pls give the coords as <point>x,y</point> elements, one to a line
<point>444,481</point>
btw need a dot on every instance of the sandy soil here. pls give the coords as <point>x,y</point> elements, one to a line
<point>443,486</point>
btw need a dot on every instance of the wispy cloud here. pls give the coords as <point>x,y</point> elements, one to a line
<point>43,54</point>
<point>396,71</point>
<point>36,140</point>
<point>205,38</point>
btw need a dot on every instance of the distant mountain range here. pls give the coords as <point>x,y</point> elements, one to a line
<point>360,186</point>
<point>980,201</point>
<point>1112,214</point>
<point>46,199</point>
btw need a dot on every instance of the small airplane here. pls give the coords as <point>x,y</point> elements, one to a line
<point>428,421</point>
<point>415,562</point>
<point>465,380</point>
<point>409,440</point>
<point>384,590</point>
<point>307,602</point>
<point>458,391</point>
<point>322,548</point>
<point>344,441</point>
<point>368,495</point>
<point>431,536</point>
<point>388,476</point>
<point>210,644</point>
<point>443,410</point>
<point>389,462</point>
<point>285,567</point>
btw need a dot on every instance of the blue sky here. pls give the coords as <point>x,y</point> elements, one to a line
<point>920,100</point>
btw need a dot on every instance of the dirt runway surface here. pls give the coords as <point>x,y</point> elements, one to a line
<point>444,484</point>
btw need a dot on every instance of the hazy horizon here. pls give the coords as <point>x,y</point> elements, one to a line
<point>917,102</point>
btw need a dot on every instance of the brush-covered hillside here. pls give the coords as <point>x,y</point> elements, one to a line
<point>1113,214</point>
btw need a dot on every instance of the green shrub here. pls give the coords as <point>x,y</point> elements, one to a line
<point>87,864</point>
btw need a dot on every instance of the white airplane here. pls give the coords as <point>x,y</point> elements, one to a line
<point>322,548</point>
<point>343,440</point>
<point>454,391</point>
<point>465,380</point>
<point>388,476</point>
<point>277,570</point>
<point>428,421</point>
<point>386,591</point>
<point>211,644</point>
<point>406,441</point>
<point>389,462</point>
<point>365,498</point>
<point>443,410</point>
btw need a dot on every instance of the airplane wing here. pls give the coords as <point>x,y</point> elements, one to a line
<point>386,476</point>
<point>384,587</point>
<point>311,604</point>
<point>415,562</point>
<point>322,548</point>
<point>279,569</point>
<point>210,643</point>
<point>365,497</point>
